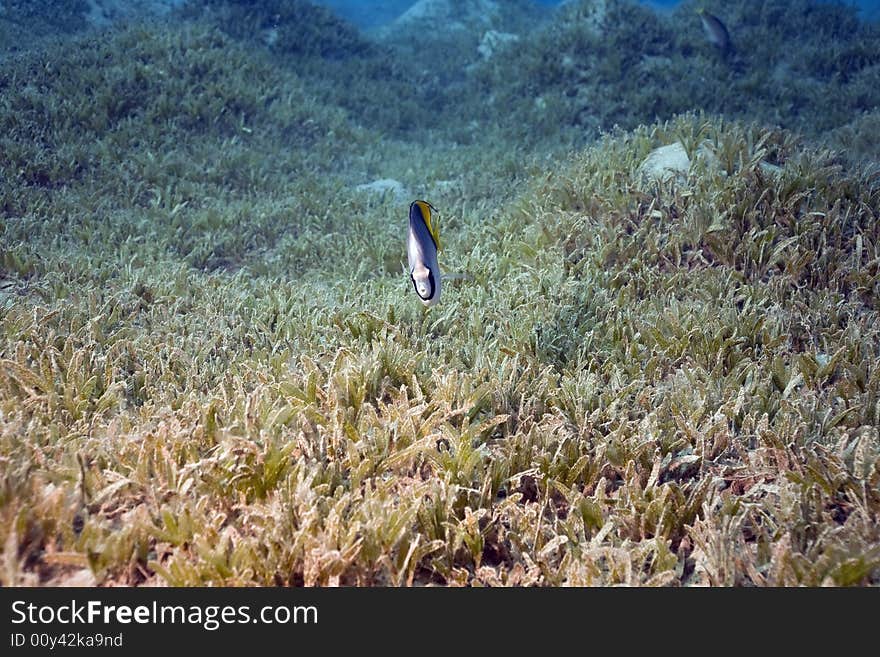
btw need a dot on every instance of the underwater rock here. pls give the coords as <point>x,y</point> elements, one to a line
<point>665,163</point>
<point>367,15</point>
<point>493,40</point>
<point>672,163</point>
<point>450,14</point>
<point>386,186</point>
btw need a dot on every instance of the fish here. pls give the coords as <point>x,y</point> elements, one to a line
<point>422,245</point>
<point>715,30</point>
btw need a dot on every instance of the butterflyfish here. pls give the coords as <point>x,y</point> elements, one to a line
<point>422,246</point>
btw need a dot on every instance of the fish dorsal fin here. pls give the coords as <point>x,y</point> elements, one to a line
<point>427,211</point>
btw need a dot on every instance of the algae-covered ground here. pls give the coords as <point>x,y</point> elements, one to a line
<point>214,370</point>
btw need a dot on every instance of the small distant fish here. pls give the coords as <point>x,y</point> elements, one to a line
<point>422,246</point>
<point>715,30</point>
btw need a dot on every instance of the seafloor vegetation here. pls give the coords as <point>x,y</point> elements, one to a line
<point>213,370</point>
<point>805,65</point>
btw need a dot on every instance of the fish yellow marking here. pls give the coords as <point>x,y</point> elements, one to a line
<point>427,211</point>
